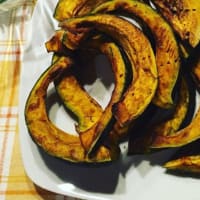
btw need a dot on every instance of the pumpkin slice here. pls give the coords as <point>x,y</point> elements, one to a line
<point>69,82</point>
<point>67,88</point>
<point>74,97</point>
<point>105,123</point>
<point>184,17</point>
<point>167,51</point>
<point>53,140</point>
<point>78,101</point>
<point>186,163</point>
<point>185,136</point>
<point>186,159</point>
<point>66,9</point>
<point>167,127</point>
<point>139,51</point>
<point>55,42</point>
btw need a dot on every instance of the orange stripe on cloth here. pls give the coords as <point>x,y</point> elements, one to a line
<point>17,52</point>
<point>20,186</point>
<point>8,130</point>
<point>9,80</point>
<point>8,115</point>
<point>8,124</point>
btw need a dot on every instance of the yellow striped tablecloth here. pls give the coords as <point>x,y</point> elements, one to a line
<point>14,184</point>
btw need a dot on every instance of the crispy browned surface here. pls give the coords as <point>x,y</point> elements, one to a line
<point>125,105</point>
<point>76,99</point>
<point>182,137</point>
<point>184,16</point>
<point>66,9</point>
<point>73,95</point>
<point>92,120</point>
<point>168,127</point>
<point>167,52</point>
<point>187,163</point>
<point>55,43</point>
<point>141,56</point>
<point>53,140</point>
<point>91,136</point>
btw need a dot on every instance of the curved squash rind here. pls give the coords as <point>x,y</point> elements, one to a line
<point>166,128</point>
<point>66,9</point>
<point>106,121</point>
<point>185,136</point>
<point>186,163</point>
<point>167,51</point>
<point>138,49</point>
<point>183,15</point>
<point>53,140</point>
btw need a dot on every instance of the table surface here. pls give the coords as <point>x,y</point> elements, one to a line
<point>14,184</point>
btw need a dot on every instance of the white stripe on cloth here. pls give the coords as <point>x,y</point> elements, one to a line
<point>8,124</point>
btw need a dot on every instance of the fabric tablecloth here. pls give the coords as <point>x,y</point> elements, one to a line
<point>14,37</point>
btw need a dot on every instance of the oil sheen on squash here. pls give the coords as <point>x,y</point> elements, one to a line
<point>53,140</point>
<point>139,51</point>
<point>167,51</point>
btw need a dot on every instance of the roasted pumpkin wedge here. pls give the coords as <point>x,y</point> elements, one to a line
<point>184,136</point>
<point>78,101</point>
<point>140,54</point>
<point>170,126</point>
<point>66,9</point>
<point>186,159</point>
<point>68,82</point>
<point>184,17</point>
<point>186,164</point>
<point>105,124</point>
<point>167,127</point>
<point>66,86</point>
<point>74,97</point>
<point>53,140</point>
<point>55,43</point>
<point>167,51</point>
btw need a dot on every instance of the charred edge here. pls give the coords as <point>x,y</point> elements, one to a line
<point>103,139</point>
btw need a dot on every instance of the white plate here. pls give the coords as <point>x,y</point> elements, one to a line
<point>135,177</point>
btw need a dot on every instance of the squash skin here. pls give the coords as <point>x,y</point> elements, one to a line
<point>184,136</point>
<point>88,112</point>
<point>106,121</point>
<point>66,9</point>
<point>183,15</point>
<point>53,140</point>
<point>172,125</point>
<point>186,164</point>
<point>77,100</point>
<point>166,128</point>
<point>55,44</point>
<point>167,51</point>
<point>64,86</point>
<point>138,49</point>
<point>74,97</point>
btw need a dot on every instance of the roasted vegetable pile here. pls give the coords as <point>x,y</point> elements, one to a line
<point>154,54</point>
